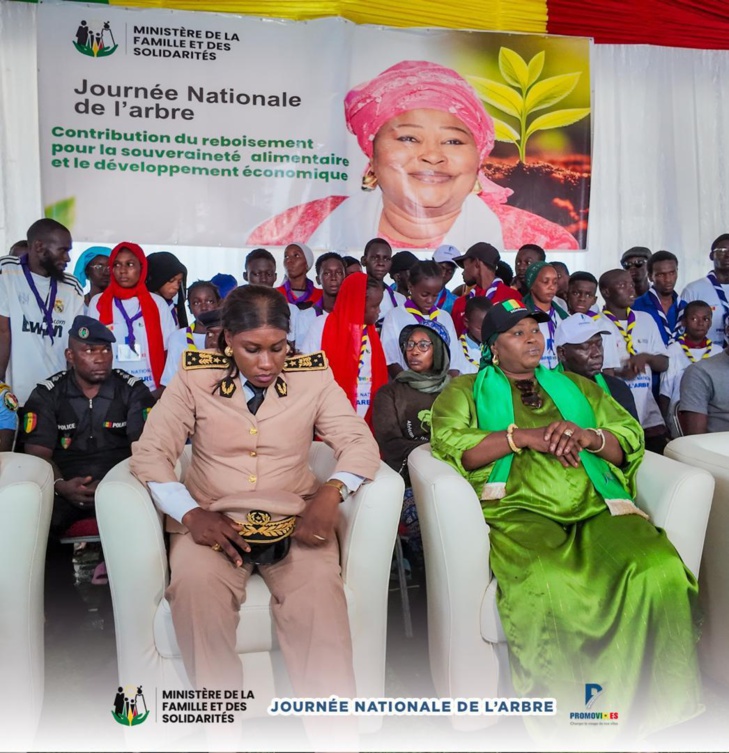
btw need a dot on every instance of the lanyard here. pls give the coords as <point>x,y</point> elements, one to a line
<point>291,298</point>
<point>627,333</point>
<point>720,294</point>
<point>363,351</point>
<point>393,297</point>
<point>441,299</point>
<point>189,338</point>
<point>685,348</point>
<point>46,310</point>
<point>552,325</point>
<point>467,350</point>
<point>173,311</point>
<point>420,317</point>
<point>131,340</point>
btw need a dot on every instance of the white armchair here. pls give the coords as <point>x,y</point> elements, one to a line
<point>136,561</point>
<point>711,452</point>
<point>26,503</point>
<point>467,645</point>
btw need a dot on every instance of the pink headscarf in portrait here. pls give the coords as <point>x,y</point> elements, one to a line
<point>415,85</point>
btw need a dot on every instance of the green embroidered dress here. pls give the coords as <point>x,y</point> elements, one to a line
<point>584,596</point>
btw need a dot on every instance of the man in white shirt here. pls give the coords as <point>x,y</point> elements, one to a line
<point>634,351</point>
<point>38,303</point>
<point>714,288</point>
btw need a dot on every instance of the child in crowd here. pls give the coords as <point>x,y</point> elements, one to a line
<point>330,276</point>
<point>541,282</point>
<point>224,283</point>
<point>690,347</point>
<point>470,340</point>
<point>141,321</point>
<point>298,289</point>
<point>349,338</point>
<point>260,268</point>
<point>167,277</point>
<point>93,265</point>
<point>582,294</point>
<point>377,261</point>
<point>201,296</point>
<point>351,265</point>
<point>426,282</point>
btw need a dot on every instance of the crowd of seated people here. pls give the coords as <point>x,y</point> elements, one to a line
<point>80,370</point>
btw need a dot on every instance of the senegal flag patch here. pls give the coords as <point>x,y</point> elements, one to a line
<point>65,442</point>
<point>512,305</point>
<point>30,422</point>
<point>145,413</point>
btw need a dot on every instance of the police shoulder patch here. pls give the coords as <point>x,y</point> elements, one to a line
<point>310,362</point>
<point>204,359</point>
<point>127,377</point>
<point>52,381</point>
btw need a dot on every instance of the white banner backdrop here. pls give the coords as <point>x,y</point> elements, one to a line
<point>202,129</point>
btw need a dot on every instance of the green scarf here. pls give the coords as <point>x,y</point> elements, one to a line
<point>428,381</point>
<point>495,411</point>
<point>529,303</point>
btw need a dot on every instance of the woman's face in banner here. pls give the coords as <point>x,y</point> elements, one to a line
<point>127,269</point>
<point>426,162</point>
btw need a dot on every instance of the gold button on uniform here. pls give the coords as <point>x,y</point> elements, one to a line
<point>253,430</point>
<point>252,479</point>
<point>253,453</point>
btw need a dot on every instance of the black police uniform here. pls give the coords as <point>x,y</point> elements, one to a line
<point>88,436</point>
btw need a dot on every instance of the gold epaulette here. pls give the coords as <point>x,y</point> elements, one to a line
<point>204,359</point>
<point>310,362</point>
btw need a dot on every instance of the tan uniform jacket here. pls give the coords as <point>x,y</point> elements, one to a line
<point>234,451</point>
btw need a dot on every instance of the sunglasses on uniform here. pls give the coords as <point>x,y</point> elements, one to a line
<point>634,263</point>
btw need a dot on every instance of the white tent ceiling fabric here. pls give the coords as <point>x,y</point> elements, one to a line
<point>660,167</point>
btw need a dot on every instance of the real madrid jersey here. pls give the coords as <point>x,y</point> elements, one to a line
<point>35,353</point>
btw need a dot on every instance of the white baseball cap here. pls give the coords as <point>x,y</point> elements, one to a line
<point>577,329</point>
<point>446,253</point>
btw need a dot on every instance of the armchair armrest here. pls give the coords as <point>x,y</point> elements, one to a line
<point>138,574</point>
<point>678,499</point>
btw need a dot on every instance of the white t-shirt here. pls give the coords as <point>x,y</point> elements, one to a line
<point>304,322</point>
<point>137,364</point>
<point>393,325</point>
<point>311,341</point>
<point>471,351</point>
<point>678,362</point>
<point>646,339</point>
<point>33,357</point>
<point>176,346</point>
<point>549,358</point>
<point>703,290</point>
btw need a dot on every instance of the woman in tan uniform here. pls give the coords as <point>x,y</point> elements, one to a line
<point>251,415</point>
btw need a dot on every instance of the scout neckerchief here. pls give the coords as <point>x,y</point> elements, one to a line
<point>490,293</point>
<point>687,351</point>
<point>189,331</point>
<point>668,334</point>
<point>466,350</point>
<point>420,317</point>
<point>319,307</point>
<point>393,297</point>
<point>711,277</point>
<point>46,308</point>
<point>129,321</point>
<point>626,332</point>
<point>555,313</point>
<point>495,412</point>
<point>289,293</point>
<point>363,352</point>
<point>173,311</point>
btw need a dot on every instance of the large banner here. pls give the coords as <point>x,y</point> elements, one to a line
<point>200,129</point>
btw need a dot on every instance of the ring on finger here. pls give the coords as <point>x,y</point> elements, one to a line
<point>216,548</point>
<point>568,432</point>
<point>317,537</point>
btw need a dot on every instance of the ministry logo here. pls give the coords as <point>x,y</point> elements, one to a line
<point>94,40</point>
<point>130,708</point>
<point>592,692</point>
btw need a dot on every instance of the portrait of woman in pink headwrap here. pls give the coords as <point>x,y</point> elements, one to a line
<point>426,135</point>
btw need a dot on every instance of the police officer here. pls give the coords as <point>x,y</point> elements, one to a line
<point>84,420</point>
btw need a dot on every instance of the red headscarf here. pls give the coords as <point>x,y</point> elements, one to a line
<point>342,339</point>
<point>150,312</point>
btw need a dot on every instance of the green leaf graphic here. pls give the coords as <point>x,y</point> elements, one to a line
<point>550,91</point>
<point>504,132</point>
<point>63,211</point>
<point>557,119</point>
<point>499,95</point>
<point>536,66</point>
<point>513,68</point>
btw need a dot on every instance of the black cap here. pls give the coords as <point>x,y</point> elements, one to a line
<point>402,261</point>
<point>91,331</point>
<point>640,251</point>
<point>484,252</point>
<point>212,318</point>
<point>502,316</point>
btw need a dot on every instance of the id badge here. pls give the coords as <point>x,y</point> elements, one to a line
<point>125,353</point>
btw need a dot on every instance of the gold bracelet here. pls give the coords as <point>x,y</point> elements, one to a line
<point>510,439</point>
<point>600,433</point>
